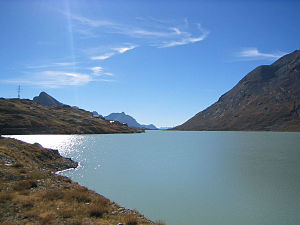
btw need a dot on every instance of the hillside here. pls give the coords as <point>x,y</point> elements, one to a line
<point>31,192</point>
<point>47,100</point>
<point>268,98</point>
<point>129,120</point>
<point>21,116</point>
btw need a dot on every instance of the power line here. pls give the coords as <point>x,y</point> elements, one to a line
<point>19,91</point>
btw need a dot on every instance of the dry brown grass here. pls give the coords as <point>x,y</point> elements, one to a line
<point>78,195</point>
<point>97,210</point>
<point>52,195</point>
<point>75,222</point>
<point>102,201</point>
<point>7,223</point>
<point>47,218</point>
<point>67,213</point>
<point>64,179</point>
<point>160,222</point>
<point>130,220</point>
<point>18,165</point>
<point>27,205</point>
<point>25,185</point>
<point>31,214</point>
<point>24,192</point>
<point>6,197</point>
<point>23,171</point>
<point>37,175</point>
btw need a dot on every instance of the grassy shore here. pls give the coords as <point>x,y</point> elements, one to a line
<point>31,192</point>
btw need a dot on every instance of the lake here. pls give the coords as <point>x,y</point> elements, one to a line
<point>190,178</point>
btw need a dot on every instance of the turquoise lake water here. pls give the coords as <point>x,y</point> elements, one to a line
<point>191,178</point>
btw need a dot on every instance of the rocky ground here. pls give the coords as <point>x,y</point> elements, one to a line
<point>31,192</point>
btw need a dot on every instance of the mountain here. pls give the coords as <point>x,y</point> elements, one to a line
<point>95,113</point>
<point>46,99</point>
<point>22,116</point>
<point>268,98</point>
<point>129,120</point>
<point>150,126</point>
<point>165,128</point>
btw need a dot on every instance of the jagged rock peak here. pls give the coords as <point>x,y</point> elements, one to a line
<point>46,100</point>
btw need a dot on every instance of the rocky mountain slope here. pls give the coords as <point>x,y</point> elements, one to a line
<point>21,116</point>
<point>47,100</point>
<point>268,98</point>
<point>129,120</point>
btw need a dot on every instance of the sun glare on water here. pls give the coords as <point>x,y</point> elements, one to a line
<point>64,143</point>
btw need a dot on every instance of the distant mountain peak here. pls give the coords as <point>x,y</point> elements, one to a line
<point>129,120</point>
<point>46,100</point>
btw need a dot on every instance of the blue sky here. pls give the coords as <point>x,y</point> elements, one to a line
<point>159,61</point>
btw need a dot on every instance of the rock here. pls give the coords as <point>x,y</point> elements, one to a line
<point>46,100</point>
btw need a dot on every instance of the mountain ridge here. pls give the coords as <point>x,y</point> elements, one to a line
<point>129,120</point>
<point>267,98</point>
<point>24,116</point>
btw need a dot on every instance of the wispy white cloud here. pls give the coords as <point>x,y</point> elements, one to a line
<point>112,27</point>
<point>187,39</point>
<point>65,63</point>
<point>99,71</point>
<point>150,32</point>
<point>176,30</point>
<point>105,80</point>
<point>108,74</point>
<point>53,79</point>
<point>183,41</point>
<point>60,74</point>
<point>112,52</point>
<point>89,22</point>
<point>96,70</point>
<point>179,32</point>
<point>255,54</point>
<point>124,49</point>
<point>102,57</point>
<point>51,65</point>
<point>142,32</point>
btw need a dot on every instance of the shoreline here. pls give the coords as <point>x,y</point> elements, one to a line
<point>32,191</point>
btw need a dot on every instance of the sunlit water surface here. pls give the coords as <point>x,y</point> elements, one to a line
<point>191,178</point>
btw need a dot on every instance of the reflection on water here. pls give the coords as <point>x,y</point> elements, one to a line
<point>71,146</point>
<point>210,178</point>
<point>64,143</point>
